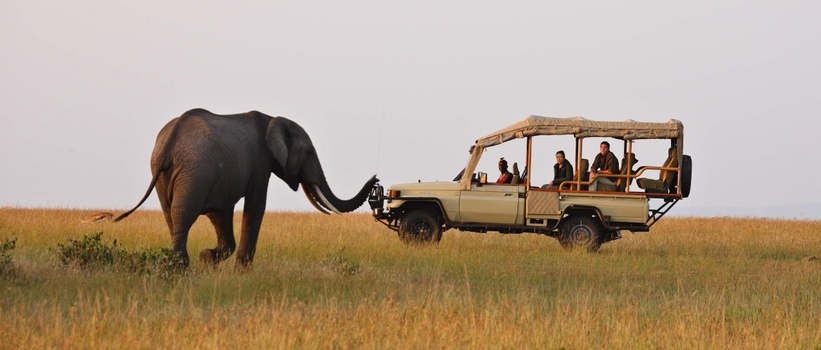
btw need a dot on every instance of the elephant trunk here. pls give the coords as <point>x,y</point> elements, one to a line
<point>321,196</point>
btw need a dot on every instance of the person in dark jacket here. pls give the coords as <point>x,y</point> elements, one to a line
<point>605,164</point>
<point>562,171</point>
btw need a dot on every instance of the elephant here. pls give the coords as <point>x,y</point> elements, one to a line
<point>203,163</point>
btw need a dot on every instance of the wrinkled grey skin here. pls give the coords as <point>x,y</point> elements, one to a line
<point>203,163</point>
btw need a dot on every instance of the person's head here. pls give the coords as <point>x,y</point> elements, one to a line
<point>560,157</point>
<point>604,147</point>
<point>502,165</point>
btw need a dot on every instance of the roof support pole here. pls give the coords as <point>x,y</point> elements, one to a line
<point>527,161</point>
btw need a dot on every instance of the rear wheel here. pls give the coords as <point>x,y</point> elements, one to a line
<point>581,232</point>
<point>420,227</point>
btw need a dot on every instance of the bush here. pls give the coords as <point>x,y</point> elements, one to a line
<point>6,265</point>
<point>91,252</point>
<point>88,252</point>
<point>163,262</point>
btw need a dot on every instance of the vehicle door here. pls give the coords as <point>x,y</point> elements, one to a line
<point>491,203</point>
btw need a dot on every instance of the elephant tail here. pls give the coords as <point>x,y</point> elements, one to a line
<point>147,193</point>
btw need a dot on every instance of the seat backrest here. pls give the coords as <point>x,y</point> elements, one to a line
<point>582,171</point>
<point>667,177</point>
<point>626,169</point>
<point>516,176</point>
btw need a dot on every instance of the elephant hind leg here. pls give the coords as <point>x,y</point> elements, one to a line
<point>223,222</point>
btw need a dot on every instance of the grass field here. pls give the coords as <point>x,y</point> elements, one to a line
<point>348,282</point>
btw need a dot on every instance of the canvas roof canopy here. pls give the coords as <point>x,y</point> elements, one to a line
<point>581,127</point>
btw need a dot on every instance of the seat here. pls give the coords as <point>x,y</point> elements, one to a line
<point>582,174</point>
<point>667,179</point>
<point>516,175</point>
<point>623,182</point>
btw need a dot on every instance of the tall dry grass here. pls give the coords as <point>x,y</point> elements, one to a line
<point>347,282</point>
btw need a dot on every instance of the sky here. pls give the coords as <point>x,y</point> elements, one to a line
<point>403,89</point>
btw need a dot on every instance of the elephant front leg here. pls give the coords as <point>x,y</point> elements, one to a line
<point>251,222</point>
<point>224,225</point>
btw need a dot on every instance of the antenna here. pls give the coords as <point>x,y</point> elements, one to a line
<point>379,139</point>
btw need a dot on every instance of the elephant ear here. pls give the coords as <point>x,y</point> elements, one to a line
<point>275,139</point>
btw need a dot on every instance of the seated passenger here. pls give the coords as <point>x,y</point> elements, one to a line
<point>605,163</point>
<point>562,171</point>
<point>506,177</point>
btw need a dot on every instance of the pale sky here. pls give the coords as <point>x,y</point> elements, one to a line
<point>403,89</point>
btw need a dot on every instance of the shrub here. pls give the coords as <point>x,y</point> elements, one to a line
<point>88,252</point>
<point>163,262</point>
<point>6,265</point>
<point>91,252</point>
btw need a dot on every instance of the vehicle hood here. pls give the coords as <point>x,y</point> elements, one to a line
<point>425,188</point>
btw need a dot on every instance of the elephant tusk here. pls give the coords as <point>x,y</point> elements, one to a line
<point>323,200</point>
<point>313,201</point>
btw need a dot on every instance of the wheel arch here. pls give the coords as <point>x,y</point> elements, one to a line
<point>582,210</point>
<point>433,205</point>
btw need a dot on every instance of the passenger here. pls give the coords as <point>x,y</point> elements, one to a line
<point>506,177</point>
<point>605,163</point>
<point>562,171</point>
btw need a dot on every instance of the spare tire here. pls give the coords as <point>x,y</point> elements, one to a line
<point>686,175</point>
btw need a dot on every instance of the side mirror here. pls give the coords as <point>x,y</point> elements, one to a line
<point>482,178</point>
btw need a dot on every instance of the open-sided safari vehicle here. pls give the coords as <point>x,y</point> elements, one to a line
<point>578,213</point>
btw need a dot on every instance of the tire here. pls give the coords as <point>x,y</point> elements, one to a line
<point>581,232</point>
<point>686,175</point>
<point>420,227</point>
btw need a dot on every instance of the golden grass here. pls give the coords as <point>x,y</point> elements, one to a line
<point>690,283</point>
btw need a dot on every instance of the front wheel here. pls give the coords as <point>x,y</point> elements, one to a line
<point>420,227</point>
<point>583,232</point>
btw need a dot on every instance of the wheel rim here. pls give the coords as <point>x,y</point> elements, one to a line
<point>581,235</point>
<point>421,229</point>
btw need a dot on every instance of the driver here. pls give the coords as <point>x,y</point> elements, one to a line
<point>505,177</point>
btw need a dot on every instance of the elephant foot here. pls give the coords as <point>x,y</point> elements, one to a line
<point>214,256</point>
<point>243,263</point>
<point>242,267</point>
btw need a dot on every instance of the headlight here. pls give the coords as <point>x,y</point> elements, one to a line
<point>393,193</point>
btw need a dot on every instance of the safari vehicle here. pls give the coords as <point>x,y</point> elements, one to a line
<point>577,213</point>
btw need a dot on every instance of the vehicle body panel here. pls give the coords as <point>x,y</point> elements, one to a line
<point>491,204</point>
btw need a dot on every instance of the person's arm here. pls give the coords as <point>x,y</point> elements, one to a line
<point>596,164</point>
